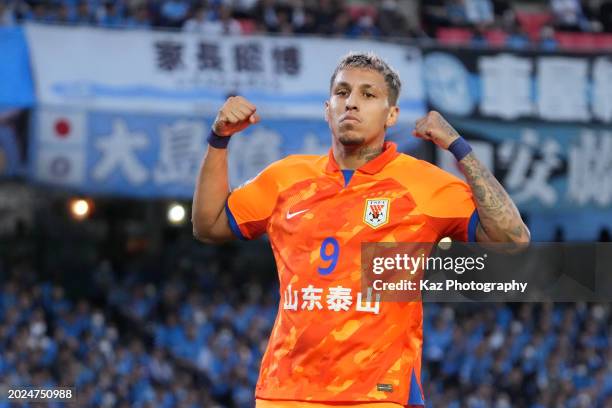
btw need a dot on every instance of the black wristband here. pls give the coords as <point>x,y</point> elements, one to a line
<point>216,141</point>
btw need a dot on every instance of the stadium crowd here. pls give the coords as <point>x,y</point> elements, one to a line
<point>195,338</point>
<point>49,340</point>
<point>484,22</point>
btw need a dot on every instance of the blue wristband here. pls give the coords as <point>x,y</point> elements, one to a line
<point>460,148</point>
<point>216,141</point>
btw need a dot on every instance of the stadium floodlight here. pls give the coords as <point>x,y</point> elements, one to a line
<point>80,208</point>
<point>176,213</point>
<point>445,243</point>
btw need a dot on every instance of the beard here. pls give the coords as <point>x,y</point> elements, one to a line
<point>349,137</point>
<point>354,140</point>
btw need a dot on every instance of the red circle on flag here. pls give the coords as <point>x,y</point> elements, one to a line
<point>62,128</point>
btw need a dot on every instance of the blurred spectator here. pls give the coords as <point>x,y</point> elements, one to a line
<point>605,15</point>
<point>307,25</point>
<point>342,26</point>
<point>84,15</point>
<point>548,42</point>
<point>590,9</point>
<point>434,14</point>
<point>501,7</point>
<point>138,17</point>
<point>482,19</point>
<point>568,15</point>
<point>391,21</point>
<point>266,14</point>
<point>198,23</point>
<point>7,14</point>
<point>479,12</point>
<point>479,37</point>
<point>365,26</point>
<point>297,14</point>
<point>173,13</point>
<point>285,25</point>
<point>327,12</point>
<point>41,12</point>
<point>411,13</point>
<point>64,15</point>
<point>110,15</point>
<point>457,13</point>
<point>517,38</point>
<point>243,8</point>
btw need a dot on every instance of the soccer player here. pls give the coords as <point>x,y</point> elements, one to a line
<point>332,345</point>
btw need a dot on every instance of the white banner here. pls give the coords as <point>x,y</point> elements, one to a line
<point>140,71</point>
<point>159,155</point>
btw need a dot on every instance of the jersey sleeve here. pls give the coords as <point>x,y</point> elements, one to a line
<point>250,206</point>
<point>453,208</point>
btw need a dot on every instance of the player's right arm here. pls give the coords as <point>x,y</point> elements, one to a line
<point>210,222</point>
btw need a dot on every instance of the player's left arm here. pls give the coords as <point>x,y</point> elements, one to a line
<point>500,220</point>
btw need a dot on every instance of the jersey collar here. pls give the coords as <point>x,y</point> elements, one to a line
<point>372,167</point>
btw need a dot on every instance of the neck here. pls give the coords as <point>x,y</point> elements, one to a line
<point>353,157</point>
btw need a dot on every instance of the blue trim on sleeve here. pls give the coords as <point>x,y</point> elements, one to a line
<point>233,224</point>
<point>473,223</point>
<point>415,397</point>
<point>348,174</point>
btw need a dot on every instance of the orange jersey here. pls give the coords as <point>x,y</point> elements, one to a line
<point>261,403</point>
<point>330,342</point>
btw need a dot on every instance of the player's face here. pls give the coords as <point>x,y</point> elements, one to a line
<point>358,110</point>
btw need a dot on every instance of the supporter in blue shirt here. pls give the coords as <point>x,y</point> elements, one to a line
<point>110,15</point>
<point>173,13</point>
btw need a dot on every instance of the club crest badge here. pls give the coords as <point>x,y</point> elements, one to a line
<point>376,212</point>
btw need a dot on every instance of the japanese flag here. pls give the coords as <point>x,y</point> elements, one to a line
<point>60,151</point>
<point>61,127</point>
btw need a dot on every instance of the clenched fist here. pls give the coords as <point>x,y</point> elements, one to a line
<point>435,128</point>
<point>235,115</point>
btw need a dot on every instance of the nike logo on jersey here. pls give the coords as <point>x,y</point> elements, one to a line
<point>291,215</point>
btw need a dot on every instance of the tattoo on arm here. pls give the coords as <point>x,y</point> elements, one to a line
<point>499,216</point>
<point>447,127</point>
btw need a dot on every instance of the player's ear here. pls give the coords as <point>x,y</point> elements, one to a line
<point>392,116</point>
<point>327,111</point>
